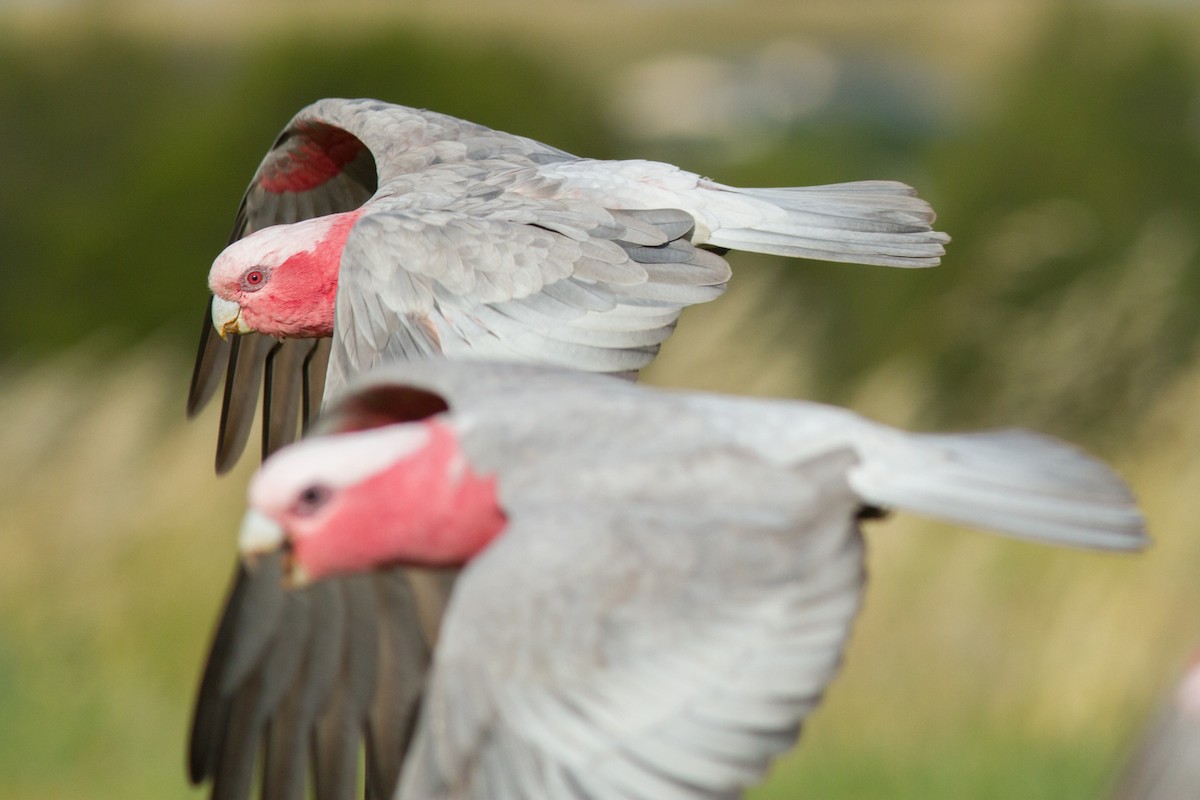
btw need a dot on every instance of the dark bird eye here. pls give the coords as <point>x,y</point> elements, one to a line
<point>311,499</point>
<point>254,279</point>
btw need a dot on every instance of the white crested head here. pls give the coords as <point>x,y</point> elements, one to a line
<point>333,462</point>
<point>267,248</point>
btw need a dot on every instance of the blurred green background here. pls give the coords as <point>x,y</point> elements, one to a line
<point>1059,141</point>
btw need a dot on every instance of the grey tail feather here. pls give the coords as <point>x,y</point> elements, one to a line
<point>1013,481</point>
<point>867,222</point>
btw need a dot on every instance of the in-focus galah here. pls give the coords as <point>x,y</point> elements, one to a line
<point>402,233</point>
<point>658,586</point>
<point>1166,763</point>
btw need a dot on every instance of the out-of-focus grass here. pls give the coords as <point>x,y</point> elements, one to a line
<point>114,548</point>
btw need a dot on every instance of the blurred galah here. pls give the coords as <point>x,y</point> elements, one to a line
<point>658,586</point>
<point>1166,763</point>
<point>402,233</point>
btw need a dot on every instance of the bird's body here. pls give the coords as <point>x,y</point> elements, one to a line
<point>658,585</point>
<point>405,233</point>
<point>1166,762</point>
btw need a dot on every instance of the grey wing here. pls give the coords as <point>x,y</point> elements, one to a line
<point>332,157</point>
<point>517,279</point>
<point>406,140</point>
<point>313,168</point>
<point>643,651</point>
<point>301,680</point>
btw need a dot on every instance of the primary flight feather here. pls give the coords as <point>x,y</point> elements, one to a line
<point>658,586</point>
<point>401,233</point>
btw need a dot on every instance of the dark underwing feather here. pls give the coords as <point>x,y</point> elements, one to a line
<point>315,366</point>
<point>254,705</point>
<point>283,390</point>
<point>404,657</point>
<point>213,356</point>
<point>285,759</point>
<point>248,624</point>
<point>300,681</point>
<point>338,731</point>
<point>247,359</point>
<point>211,709</point>
<point>211,360</point>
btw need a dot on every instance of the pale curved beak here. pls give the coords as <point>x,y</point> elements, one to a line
<point>260,535</point>
<point>227,317</point>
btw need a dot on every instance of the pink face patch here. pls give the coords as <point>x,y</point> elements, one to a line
<point>300,296</point>
<point>428,508</point>
<point>312,158</point>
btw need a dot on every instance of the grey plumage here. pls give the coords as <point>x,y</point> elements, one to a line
<point>479,243</point>
<point>679,572</point>
<point>474,208</point>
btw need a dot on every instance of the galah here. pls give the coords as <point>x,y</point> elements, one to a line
<point>400,233</point>
<point>1166,763</point>
<point>658,586</point>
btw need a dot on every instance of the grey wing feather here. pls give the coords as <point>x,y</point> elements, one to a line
<point>681,685</point>
<point>337,733</point>
<point>316,364</point>
<point>283,391</point>
<point>403,658</point>
<point>285,761</point>
<point>528,280</point>
<point>244,374</point>
<point>211,362</point>
<point>407,140</point>
<point>308,677</point>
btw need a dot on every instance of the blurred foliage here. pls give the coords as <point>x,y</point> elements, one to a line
<point>1081,188</point>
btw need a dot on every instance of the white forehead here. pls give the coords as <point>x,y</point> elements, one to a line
<point>270,246</point>
<point>333,461</point>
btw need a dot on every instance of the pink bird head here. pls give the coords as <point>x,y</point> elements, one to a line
<point>403,493</point>
<point>281,281</point>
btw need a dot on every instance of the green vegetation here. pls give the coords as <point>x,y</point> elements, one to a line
<point>1069,178</point>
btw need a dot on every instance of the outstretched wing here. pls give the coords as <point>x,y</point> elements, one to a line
<point>330,158</point>
<point>647,650</point>
<point>476,271</point>
<point>295,681</point>
<point>314,168</point>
